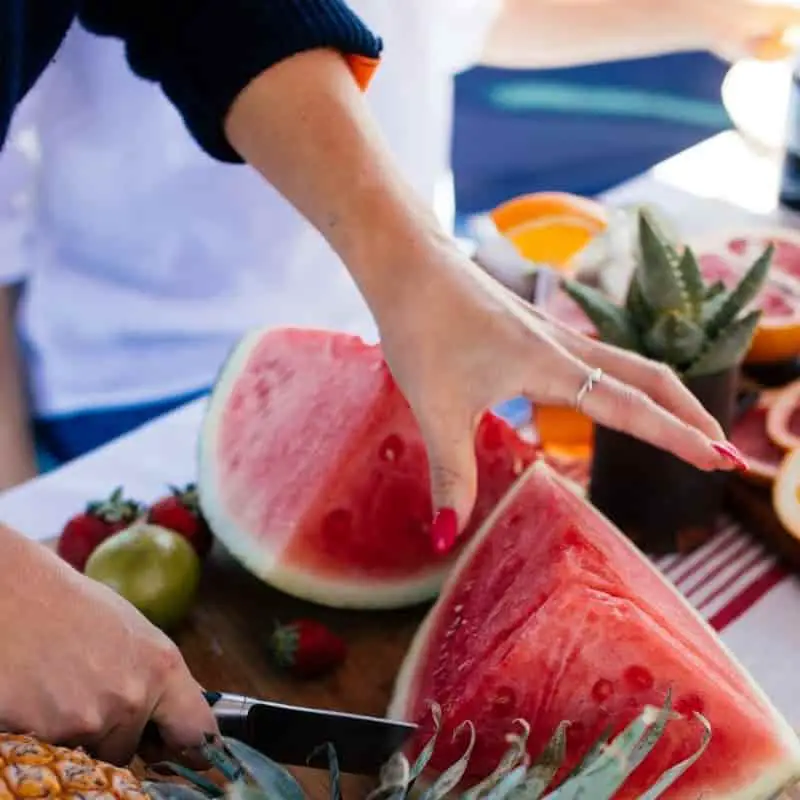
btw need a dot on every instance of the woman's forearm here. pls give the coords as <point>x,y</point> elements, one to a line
<point>305,126</point>
<point>17,455</point>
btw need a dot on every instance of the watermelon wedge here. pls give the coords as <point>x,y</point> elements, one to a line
<point>314,475</point>
<point>550,615</point>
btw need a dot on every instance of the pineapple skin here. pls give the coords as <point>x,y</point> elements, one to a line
<point>31,769</point>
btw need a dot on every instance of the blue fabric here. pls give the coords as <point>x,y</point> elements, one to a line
<point>61,439</point>
<point>583,129</point>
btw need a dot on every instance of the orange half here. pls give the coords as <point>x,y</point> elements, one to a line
<point>537,205</point>
<point>564,432</point>
<point>553,240</point>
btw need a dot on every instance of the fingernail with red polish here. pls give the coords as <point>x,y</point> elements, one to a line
<point>727,450</point>
<point>444,530</point>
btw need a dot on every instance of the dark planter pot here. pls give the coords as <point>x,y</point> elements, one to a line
<point>663,504</point>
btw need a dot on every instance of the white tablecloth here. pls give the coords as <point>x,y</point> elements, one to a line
<point>733,582</point>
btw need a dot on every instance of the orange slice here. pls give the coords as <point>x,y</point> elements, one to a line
<point>537,205</point>
<point>553,240</point>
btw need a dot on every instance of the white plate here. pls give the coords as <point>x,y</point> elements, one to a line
<point>756,96</point>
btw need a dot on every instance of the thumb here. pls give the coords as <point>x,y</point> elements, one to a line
<point>453,476</point>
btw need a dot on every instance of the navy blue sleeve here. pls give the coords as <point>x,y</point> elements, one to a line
<point>204,52</point>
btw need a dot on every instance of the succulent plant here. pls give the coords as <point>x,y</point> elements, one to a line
<point>670,313</point>
<point>605,767</point>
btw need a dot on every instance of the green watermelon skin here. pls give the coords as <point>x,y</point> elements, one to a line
<point>551,614</point>
<point>313,472</point>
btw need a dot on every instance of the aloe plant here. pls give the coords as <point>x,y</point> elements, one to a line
<point>670,313</point>
<point>599,776</point>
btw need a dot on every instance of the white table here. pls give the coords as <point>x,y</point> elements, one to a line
<point>732,580</point>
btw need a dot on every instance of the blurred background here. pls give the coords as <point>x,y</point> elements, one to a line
<point>581,130</point>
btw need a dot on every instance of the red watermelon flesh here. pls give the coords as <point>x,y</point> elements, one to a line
<point>314,474</point>
<point>551,614</point>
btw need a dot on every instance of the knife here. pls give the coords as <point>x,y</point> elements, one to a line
<point>290,734</point>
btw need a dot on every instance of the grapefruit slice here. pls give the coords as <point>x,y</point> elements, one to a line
<point>749,434</point>
<point>786,494</point>
<point>783,418</point>
<point>724,255</point>
<point>551,615</point>
<point>313,472</point>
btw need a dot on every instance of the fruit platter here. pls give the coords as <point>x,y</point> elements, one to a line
<point>549,655</point>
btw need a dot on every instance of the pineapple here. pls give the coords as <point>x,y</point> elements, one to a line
<point>30,768</point>
<point>670,314</point>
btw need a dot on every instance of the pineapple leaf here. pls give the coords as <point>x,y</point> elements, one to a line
<point>174,791</point>
<point>653,734</point>
<point>594,753</point>
<point>451,777</point>
<point>745,291</point>
<point>394,780</point>
<point>672,774</point>
<point>270,778</point>
<point>728,348</point>
<point>611,321</point>
<point>692,280</point>
<point>206,786</point>
<point>425,756</point>
<point>609,771</point>
<point>514,756</point>
<point>541,775</point>
<point>675,339</point>
<point>510,786</point>
<point>333,767</point>
<point>660,279</point>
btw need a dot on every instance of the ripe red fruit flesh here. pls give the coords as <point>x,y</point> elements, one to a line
<point>180,512</point>
<point>306,648</point>
<point>101,519</point>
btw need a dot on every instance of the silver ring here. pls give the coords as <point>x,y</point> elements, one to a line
<point>592,379</point>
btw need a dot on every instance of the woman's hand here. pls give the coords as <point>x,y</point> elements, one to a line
<point>460,343</point>
<point>81,666</point>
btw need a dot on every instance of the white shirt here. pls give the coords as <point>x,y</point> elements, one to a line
<point>144,260</point>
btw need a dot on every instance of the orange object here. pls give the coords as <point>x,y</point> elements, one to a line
<point>563,431</point>
<point>538,205</point>
<point>783,417</point>
<point>786,493</point>
<point>553,240</point>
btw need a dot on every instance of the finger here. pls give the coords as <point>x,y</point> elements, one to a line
<point>120,743</point>
<point>655,379</point>
<point>183,716</point>
<point>450,443</point>
<point>627,409</point>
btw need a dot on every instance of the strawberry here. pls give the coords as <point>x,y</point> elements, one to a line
<point>101,519</point>
<point>180,512</point>
<point>306,648</point>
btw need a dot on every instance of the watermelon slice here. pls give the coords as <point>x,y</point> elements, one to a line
<point>551,614</point>
<point>313,472</point>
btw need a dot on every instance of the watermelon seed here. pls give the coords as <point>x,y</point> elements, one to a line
<point>505,698</point>
<point>391,448</point>
<point>639,678</point>
<point>338,523</point>
<point>602,690</point>
<point>689,704</point>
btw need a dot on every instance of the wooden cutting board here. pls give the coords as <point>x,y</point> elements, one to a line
<point>224,643</point>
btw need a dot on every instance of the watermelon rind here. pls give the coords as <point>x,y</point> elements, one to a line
<point>364,593</point>
<point>767,785</point>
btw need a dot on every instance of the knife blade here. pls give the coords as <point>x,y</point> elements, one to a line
<point>290,734</point>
